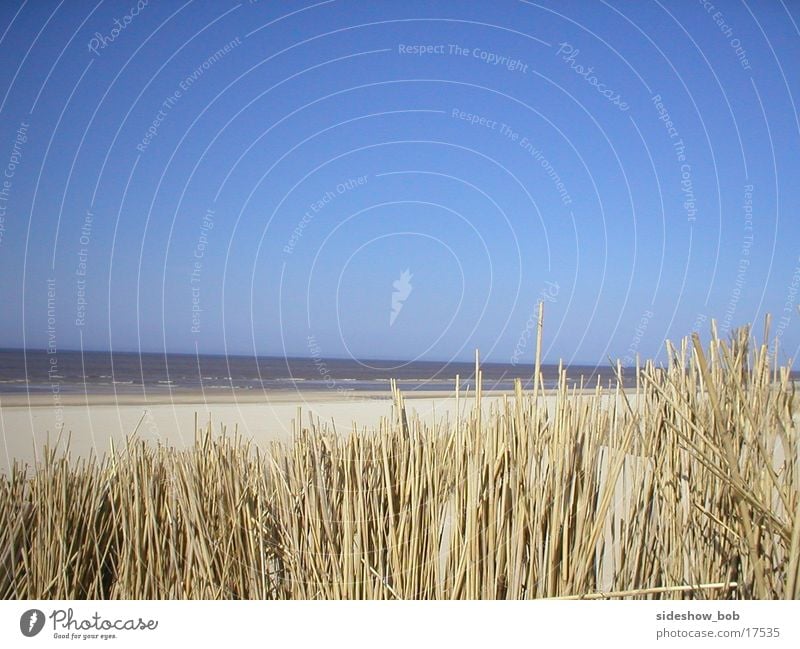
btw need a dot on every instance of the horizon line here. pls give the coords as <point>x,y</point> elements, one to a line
<point>290,356</point>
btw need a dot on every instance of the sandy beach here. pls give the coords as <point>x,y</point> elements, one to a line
<point>93,421</point>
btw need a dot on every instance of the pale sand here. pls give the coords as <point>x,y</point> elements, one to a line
<point>94,421</point>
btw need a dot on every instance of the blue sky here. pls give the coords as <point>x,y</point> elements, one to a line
<point>258,173</point>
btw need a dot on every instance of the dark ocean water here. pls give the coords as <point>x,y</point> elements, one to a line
<point>101,372</point>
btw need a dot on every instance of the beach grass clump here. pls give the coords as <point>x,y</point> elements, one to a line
<point>685,487</point>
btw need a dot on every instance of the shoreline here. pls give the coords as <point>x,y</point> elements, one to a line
<point>184,397</point>
<point>243,397</point>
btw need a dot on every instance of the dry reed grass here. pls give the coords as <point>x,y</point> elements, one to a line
<point>686,488</point>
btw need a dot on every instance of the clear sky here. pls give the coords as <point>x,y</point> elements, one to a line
<point>242,177</point>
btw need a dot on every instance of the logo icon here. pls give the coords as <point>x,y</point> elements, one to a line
<point>402,289</point>
<point>31,622</point>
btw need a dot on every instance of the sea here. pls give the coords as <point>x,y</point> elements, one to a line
<point>95,372</point>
